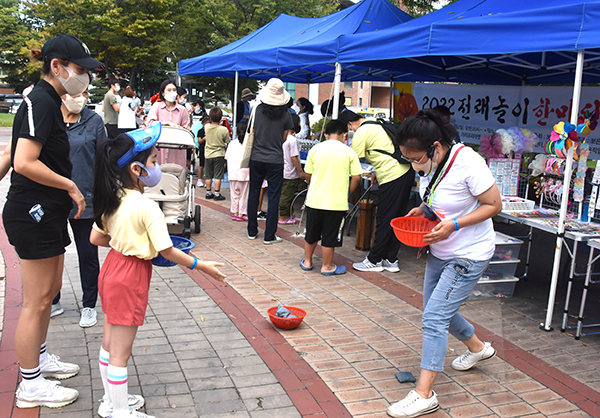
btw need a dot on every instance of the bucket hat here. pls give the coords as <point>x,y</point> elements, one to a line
<point>274,93</point>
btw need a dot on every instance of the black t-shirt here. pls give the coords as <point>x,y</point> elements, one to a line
<point>268,136</point>
<point>39,118</point>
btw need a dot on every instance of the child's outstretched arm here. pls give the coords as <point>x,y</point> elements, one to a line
<point>208,267</point>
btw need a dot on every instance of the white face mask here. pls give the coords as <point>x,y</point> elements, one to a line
<point>75,84</point>
<point>171,96</point>
<point>75,104</point>
<point>182,101</point>
<point>117,88</point>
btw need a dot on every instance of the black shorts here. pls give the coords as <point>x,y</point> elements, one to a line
<point>201,159</point>
<point>33,240</point>
<point>324,225</point>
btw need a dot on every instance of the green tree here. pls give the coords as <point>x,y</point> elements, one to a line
<point>17,38</point>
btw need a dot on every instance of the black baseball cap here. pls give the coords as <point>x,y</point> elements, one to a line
<point>70,48</point>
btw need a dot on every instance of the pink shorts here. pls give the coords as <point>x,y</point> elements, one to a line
<point>123,284</point>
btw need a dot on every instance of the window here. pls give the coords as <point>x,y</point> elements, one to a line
<point>361,84</point>
<point>291,89</point>
<point>348,84</point>
<point>360,100</point>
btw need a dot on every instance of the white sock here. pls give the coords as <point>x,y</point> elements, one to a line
<point>31,379</point>
<point>117,389</point>
<point>103,365</point>
<point>43,353</point>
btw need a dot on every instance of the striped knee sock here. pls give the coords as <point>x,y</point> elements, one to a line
<point>117,389</point>
<point>31,379</point>
<point>43,354</point>
<point>103,365</point>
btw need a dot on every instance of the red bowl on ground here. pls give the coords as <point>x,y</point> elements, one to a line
<point>287,323</point>
<point>411,230</point>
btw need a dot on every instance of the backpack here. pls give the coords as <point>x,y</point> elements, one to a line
<point>390,129</point>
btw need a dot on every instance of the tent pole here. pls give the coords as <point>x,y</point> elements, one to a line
<point>547,326</point>
<point>336,91</point>
<point>391,118</point>
<point>235,93</point>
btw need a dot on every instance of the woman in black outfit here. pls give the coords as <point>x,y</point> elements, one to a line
<point>35,215</point>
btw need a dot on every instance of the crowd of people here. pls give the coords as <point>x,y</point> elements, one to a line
<point>69,166</point>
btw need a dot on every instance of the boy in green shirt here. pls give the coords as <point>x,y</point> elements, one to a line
<point>333,170</point>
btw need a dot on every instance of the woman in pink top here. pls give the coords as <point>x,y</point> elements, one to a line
<point>169,113</point>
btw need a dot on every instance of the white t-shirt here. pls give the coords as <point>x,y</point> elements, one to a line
<point>126,114</point>
<point>455,196</point>
<point>304,126</point>
<point>290,149</point>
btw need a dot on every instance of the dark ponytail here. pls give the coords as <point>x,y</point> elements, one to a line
<point>421,131</point>
<point>241,131</point>
<point>110,180</point>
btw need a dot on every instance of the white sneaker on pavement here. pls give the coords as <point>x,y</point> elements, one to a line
<point>105,409</point>
<point>56,310</point>
<point>132,414</point>
<point>468,359</point>
<point>413,405</point>
<point>88,318</point>
<point>366,265</point>
<point>49,394</point>
<point>277,240</point>
<point>389,266</point>
<point>52,367</point>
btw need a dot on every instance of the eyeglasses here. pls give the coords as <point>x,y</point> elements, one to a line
<point>413,161</point>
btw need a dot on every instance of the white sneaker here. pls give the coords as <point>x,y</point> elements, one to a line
<point>106,407</point>
<point>389,266</point>
<point>413,405</point>
<point>49,394</point>
<point>56,310</point>
<point>88,318</point>
<point>132,414</point>
<point>469,359</point>
<point>52,367</point>
<point>277,240</point>
<point>200,184</point>
<point>366,265</point>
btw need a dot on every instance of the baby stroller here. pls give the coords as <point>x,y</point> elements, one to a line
<point>175,191</point>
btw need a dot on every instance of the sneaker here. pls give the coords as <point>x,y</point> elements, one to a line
<point>88,318</point>
<point>56,310</point>
<point>209,195</point>
<point>469,359</point>
<point>52,367</point>
<point>389,266</point>
<point>219,197</point>
<point>261,216</point>
<point>366,265</point>
<point>200,183</point>
<point>413,405</point>
<point>106,407</point>
<point>251,237</point>
<point>49,394</point>
<point>277,240</point>
<point>133,414</point>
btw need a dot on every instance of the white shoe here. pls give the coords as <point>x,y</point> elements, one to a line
<point>469,359</point>
<point>200,184</point>
<point>277,240</point>
<point>132,414</point>
<point>52,367</point>
<point>366,265</point>
<point>105,409</point>
<point>88,318</point>
<point>56,310</point>
<point>413,405</point>
<point>49,394</point>
<point>389,266</point>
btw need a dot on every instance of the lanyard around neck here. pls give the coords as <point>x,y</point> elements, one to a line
<point>436,177</point>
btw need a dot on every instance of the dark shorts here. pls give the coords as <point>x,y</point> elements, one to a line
<point>33,240</point>
<point>324,225</point>
<point>201,159</point>
<point>214,168</point>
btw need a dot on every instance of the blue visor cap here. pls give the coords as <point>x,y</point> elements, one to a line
<point>142,140</point>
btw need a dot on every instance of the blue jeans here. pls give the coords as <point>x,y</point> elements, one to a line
<point>274,175</point>
<point>448,283</point>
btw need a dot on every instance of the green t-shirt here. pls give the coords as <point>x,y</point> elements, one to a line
<point>217,138</point>
<point>368,138</point>
<point>330,164</point>
<point>111,116</point>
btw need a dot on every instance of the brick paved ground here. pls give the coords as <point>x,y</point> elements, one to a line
<point>207,350</point>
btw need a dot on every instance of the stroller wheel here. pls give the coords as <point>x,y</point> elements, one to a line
<point>197,219</point>
<point>187,231</point>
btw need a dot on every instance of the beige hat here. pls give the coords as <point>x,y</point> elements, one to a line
<point>274,94</point>
<point>246,93</point>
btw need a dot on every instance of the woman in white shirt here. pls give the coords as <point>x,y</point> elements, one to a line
<point>306,109</point>
<point>457,188</point>
<point>127,112</point>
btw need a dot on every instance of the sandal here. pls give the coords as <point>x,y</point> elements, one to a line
<point>303,267</point>
<point>338,270</point>
<point>288,221</point>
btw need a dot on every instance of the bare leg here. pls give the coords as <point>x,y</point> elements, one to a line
<point>218,184</point>
<point>118,341</point>
<point>208,183</point>
<point>200,170</point>
<point>309,249</point>
<point>42,280</point>
<point>327,259</point>
<point>474,344</point>
<point>425,383</point>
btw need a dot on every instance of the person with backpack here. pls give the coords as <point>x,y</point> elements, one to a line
<point>373,142</point>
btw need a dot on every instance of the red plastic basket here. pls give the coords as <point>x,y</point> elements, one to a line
<point>287,323</point>
<point>410,230</point>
